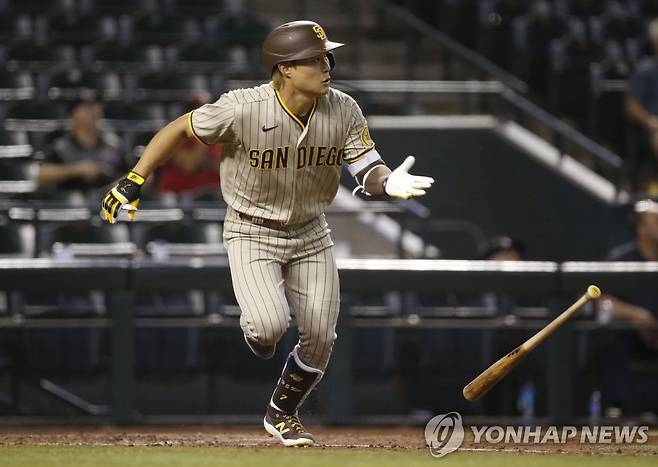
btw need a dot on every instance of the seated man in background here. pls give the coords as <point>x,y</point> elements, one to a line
<point>640,309</point>
<point>83,158</point>
<point>502,248</point>
<point>193,167</point>
<point>642,108</point>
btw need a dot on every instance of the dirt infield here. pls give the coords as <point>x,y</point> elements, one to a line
<point>361,438</point>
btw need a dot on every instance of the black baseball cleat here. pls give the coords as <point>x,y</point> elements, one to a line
<point>261,351</point>
<point>286,428</point>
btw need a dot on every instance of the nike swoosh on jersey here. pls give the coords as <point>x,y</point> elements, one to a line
<point>269,128</point>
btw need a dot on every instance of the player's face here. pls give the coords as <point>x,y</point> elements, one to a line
<point>311,75</point>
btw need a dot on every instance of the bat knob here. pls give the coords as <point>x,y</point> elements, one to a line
<point>593,291</point>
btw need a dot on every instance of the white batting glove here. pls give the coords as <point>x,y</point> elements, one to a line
<point>401,184</point>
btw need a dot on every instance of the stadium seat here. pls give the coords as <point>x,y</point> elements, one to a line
<point>121,57</point>
<point>17,177</point>
<point>134,117</point>
<point>82,239</point>
<point>170,86</point>
<point>35,117</point>
<point>17,240</point>
<point>243,29</point>
<point>16,86</point>
<point>134,8</point>
<point>15,28</point>
<point>14,144</point>
<point>456,239</point>
<point>70,83</point>
<point>200,58</point>
<point>167,30</point>
<point>195,7</point>
<point>28,56</point>
<point>56,198</point>
<point>183,240</point>
<point>75,29</point>
<point>39,7</point>
<point>36,110</point>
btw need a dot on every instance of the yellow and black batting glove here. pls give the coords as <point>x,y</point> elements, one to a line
<point>125,195</point>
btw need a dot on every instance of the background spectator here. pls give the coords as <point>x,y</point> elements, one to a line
<point>642,105</point>
<point>623,350</point>
<point>504,249</point>
<point>194,167</point>
<point>84,158</point>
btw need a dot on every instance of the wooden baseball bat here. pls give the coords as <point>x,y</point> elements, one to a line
<point>489,377</point>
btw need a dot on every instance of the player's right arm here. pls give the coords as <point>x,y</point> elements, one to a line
<point>163,146</point>
<point>370,171</point>
<point>209,124</point>
<point>640,87</point>
<point>639,114</point>
<point>639,317</point>
<point>125,194</point>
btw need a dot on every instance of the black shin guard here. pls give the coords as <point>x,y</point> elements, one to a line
<point>296,382</point>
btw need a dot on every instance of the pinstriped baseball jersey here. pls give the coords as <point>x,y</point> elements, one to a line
<point>275,166</point>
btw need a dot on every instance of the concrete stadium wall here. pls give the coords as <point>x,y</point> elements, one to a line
<point>482,177</point>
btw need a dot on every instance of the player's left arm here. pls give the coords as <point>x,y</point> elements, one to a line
<point>372,175</point>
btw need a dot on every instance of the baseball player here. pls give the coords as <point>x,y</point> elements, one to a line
<point>285,143</point>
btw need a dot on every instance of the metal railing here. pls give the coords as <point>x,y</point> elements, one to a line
<point>560,282</point>
<point>41,212</point>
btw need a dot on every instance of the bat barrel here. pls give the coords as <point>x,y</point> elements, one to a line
<point>492,375</point>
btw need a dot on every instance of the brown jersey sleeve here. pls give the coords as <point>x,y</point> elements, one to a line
<point>358,142</point>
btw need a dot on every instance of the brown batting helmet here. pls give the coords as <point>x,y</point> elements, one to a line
<point>296,41</point>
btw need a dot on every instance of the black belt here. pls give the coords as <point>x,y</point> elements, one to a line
<point>271,224</point>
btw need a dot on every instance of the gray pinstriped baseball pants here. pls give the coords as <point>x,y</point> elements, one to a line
<point>275,272</point>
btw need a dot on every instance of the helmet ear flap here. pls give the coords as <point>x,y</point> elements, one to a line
<point>332,60</point>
